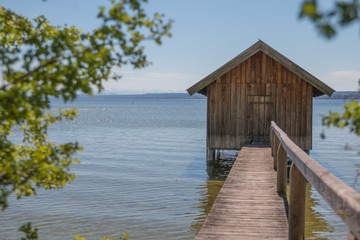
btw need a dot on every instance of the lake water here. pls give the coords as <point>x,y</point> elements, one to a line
<point>143,172</point>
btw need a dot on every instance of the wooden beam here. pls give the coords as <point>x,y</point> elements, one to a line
<point>276,151</point>
<point>272,135</point>
<point>351,236</point>
<point>281,170</point>
<point>297,204</point>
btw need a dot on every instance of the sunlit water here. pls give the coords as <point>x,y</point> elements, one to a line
<point>143,172</point>
<point>330,152</point>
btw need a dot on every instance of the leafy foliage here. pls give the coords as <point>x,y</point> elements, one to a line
<point>351,118</point>
<point>342,14</point>
<point>328,22</point>
<point>30,233</point>
<point>39,61</point>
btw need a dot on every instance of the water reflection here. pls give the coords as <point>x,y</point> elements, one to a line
<point>209,191</point>
<point>208,194</point>
<point>316,227</point>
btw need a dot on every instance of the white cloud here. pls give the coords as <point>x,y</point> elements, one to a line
<point>345,80</point>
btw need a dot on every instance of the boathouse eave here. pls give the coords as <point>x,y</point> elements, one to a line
<point>320,88</point>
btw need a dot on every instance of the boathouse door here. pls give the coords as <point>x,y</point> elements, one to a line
<point>259,118</point>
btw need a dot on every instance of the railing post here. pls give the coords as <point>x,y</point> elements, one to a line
<point>272,140</point>
<point>276,147</point>
<point>281,170</point>
<point>351,236</point>
<point>297,204</point>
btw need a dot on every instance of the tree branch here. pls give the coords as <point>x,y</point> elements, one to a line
<point>51,61</point>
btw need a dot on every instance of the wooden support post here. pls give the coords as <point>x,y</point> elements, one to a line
<point>297,204</point>
<point>210,156</point>
<point>351,236</point>
<point>276,147</point>
<point>281,170</point>
<point>272,141</point>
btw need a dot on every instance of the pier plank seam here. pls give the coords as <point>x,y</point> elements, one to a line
<point>248,205</point>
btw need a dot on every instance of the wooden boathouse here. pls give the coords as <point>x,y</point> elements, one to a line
<point>261,102</point>
<point>256,87</point>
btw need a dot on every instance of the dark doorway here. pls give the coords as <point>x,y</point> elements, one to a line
<point>259,118</point>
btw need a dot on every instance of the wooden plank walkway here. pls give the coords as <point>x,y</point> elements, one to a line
<point>248,205</point>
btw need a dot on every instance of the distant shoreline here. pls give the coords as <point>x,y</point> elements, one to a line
<point>154,96</point>
<point>342,95</point>
<point>336,95</point>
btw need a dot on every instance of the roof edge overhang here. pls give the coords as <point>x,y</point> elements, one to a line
<point>321,88</point>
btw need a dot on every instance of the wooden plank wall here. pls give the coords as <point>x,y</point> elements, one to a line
<point>243,102</point>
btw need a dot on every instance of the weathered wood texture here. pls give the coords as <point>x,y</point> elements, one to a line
<point>243,102</point>
<point>319,87</point>
<point>281,170</point>
<point>297,204</point>
<point>344,200</point>
<point>248,205</point>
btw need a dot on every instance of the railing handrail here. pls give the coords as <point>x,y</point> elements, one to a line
<point>344,200</point>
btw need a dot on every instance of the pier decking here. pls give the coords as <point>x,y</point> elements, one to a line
<point>252,202</point>
<point>248,205</point>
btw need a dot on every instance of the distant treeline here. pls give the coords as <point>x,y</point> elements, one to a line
<point>336,95</point>
<point>342,95</point>
<point>159,96</point>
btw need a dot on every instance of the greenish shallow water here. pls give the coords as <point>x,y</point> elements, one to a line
<point>143,172</point>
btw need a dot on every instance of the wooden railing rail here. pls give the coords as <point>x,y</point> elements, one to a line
<point>344,200</point>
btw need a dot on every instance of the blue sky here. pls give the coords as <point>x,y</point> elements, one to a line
<point>209,33</point>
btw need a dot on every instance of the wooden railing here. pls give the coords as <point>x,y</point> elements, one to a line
<point>344,200</point>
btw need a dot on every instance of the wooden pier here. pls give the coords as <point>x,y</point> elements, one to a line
<point>252,202</point>
<point>248,205</point>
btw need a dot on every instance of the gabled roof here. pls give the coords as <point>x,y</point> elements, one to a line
<point>320,88</point>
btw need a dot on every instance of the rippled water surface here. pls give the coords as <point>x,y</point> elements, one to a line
<point>331,154</point>
<point>143,172</point>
